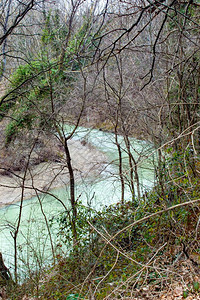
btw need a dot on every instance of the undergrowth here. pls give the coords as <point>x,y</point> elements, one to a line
<point>109,264</point>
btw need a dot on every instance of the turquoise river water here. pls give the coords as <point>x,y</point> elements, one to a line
<point>34,248</point>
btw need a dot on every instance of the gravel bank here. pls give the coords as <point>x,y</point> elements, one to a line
<point>87,161</point>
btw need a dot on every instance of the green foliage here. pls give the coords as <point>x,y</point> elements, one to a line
<point>24,72</point>
<point>33,83</point>
<point>5,107</point>
<point>1,68</point>
<point>196,286</point>
<point>14,127</point>
<point>139,242</point>
<point>65,225</point>
<point>24,95</point>
<point>54,33</point>
<point>194,289</point>
<point>31,89</point>
<point>112,218</point>
<point>185,294</point>
<point>177,17</point>
<point>73,297</point>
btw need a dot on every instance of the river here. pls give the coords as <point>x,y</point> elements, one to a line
<point>104,188</point>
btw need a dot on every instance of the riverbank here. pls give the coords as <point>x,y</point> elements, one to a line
<point>86,161</point>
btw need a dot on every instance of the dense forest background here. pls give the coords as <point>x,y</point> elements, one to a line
<point>130,68</point>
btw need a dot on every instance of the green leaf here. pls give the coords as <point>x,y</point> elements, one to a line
<point>185,294</point>
<point>73,297</point>
<point>196,286</point>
